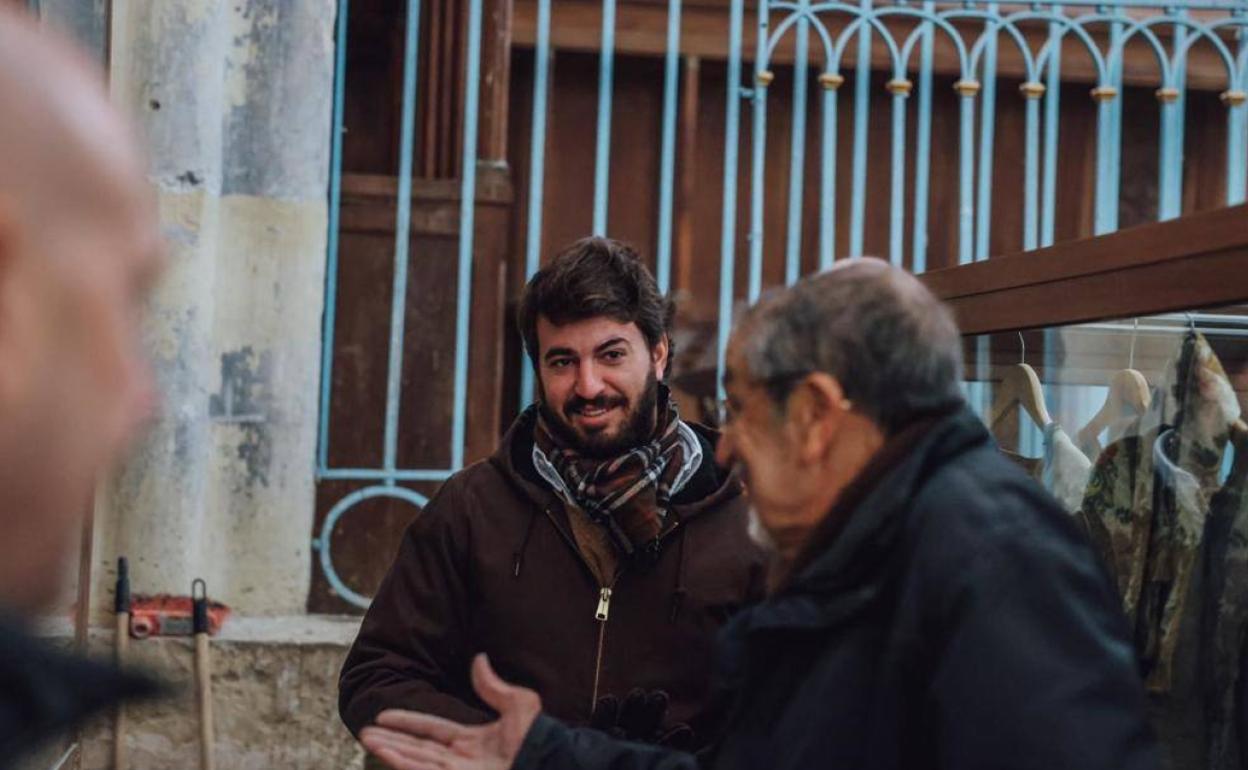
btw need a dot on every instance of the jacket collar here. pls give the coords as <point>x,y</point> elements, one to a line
<point>844,566</point>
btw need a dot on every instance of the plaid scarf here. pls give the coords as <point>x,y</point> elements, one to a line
<point>629,495</point>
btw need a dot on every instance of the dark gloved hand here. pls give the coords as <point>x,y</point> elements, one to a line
<point>639,718</point>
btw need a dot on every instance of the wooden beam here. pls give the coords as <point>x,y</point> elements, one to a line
<point>495,80</point>
<point>576,25</point>
<point>1193,262</point>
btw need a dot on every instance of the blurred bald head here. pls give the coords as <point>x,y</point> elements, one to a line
<point>59,130</point>
<point>79,247</point>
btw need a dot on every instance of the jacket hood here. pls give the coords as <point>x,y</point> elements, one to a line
<point>710,486</point>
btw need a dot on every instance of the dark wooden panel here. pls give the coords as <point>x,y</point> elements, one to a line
<point>361,349</point>
<point>1192,262</point>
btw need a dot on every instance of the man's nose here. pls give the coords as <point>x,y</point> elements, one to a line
<point>588,382</point>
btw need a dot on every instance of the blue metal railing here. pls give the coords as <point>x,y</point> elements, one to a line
<point>908,36</point>
<point>389,476</point>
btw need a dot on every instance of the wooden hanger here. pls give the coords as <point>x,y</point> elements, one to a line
<point>1020,387</point>
<point>1129,396</point>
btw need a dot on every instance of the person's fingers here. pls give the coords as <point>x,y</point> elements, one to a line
<point>655,711</point>
<point>422,725</point>
<point>403,751</point>
<point>396,761</point>
<point>679,738</point>
<point>490,686</point>
<point>632,714</point>
<point>606,713</point>
<point>391,738</point>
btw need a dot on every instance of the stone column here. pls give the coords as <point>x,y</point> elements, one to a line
<point>234,99</point>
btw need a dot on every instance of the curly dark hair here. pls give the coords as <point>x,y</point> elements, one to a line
<point>593,278</point>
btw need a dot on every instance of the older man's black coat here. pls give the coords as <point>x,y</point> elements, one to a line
<point>957,620</point>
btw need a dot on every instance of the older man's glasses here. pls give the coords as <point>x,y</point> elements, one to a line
<point>722,411</point>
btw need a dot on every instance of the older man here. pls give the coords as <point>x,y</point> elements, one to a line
<point>936,609</point>
<point>79,246</point>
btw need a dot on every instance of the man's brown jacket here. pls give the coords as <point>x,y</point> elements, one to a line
<point>491,566</point>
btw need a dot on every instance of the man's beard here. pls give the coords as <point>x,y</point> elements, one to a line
<point>637,428</point>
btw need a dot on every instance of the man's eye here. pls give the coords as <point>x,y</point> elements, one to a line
<point>559,363</point>
<point>613,355</point>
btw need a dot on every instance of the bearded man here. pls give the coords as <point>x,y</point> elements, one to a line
<point>593,557</point>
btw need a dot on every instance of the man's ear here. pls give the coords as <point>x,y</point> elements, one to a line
<point>659,357</point>
<point>816,409</point>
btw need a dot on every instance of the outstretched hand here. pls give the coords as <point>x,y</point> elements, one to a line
<point>407,740</point>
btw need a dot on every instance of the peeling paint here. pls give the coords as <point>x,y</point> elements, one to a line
<point>255,449</point>
<point>245,393</point>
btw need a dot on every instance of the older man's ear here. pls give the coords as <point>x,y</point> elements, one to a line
<point>816,410</point>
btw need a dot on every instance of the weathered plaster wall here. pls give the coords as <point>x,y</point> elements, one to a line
<point>234,100</point>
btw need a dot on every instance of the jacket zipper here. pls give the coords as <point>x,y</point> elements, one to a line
<point>603,610</point>
<point>601,614</point>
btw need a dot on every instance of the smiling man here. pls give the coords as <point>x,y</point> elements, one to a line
<point>594,556</point>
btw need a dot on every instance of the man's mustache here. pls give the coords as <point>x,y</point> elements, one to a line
<point>576,404</point>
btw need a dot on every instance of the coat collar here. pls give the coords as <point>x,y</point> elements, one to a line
<point>844,566</point>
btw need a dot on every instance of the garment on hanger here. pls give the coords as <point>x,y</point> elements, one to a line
<point>1150,492</point>
<point>1065,469</point>
<point>1225,624</point>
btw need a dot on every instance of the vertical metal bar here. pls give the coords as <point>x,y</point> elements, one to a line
<point>897,211</point>
<point>987,134</point>
<point>862,105</point>
<point>1031,172</point>
<point>537,172</point>
<point>758,159</point>
<point>1104,159</point>
<point>827,175</point>
<point>923,142</point>
<point>797,154</point>
<point>1167,203</point>
<point>1237,133</point>
<point>402,237</point>
<point>1052,121</point>
<point>1115,145</point>
<point>467,220</point>
<point>1236,153</point>
<point>602,153</point>
<point>1170,146</point>
<point>728,223</point>
<point>667,160</point>
<point>1109,139</point>
<point>966,176</point>
<point>328,319</point>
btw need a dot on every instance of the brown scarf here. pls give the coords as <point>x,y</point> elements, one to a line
<point>629,495</point>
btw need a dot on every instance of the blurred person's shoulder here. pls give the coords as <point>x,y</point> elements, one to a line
<point>46,690</point>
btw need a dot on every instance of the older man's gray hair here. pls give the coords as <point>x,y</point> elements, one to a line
<point>890,343</point>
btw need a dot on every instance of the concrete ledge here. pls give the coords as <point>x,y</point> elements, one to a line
<point>334,630</point>
<point>275,693</point>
